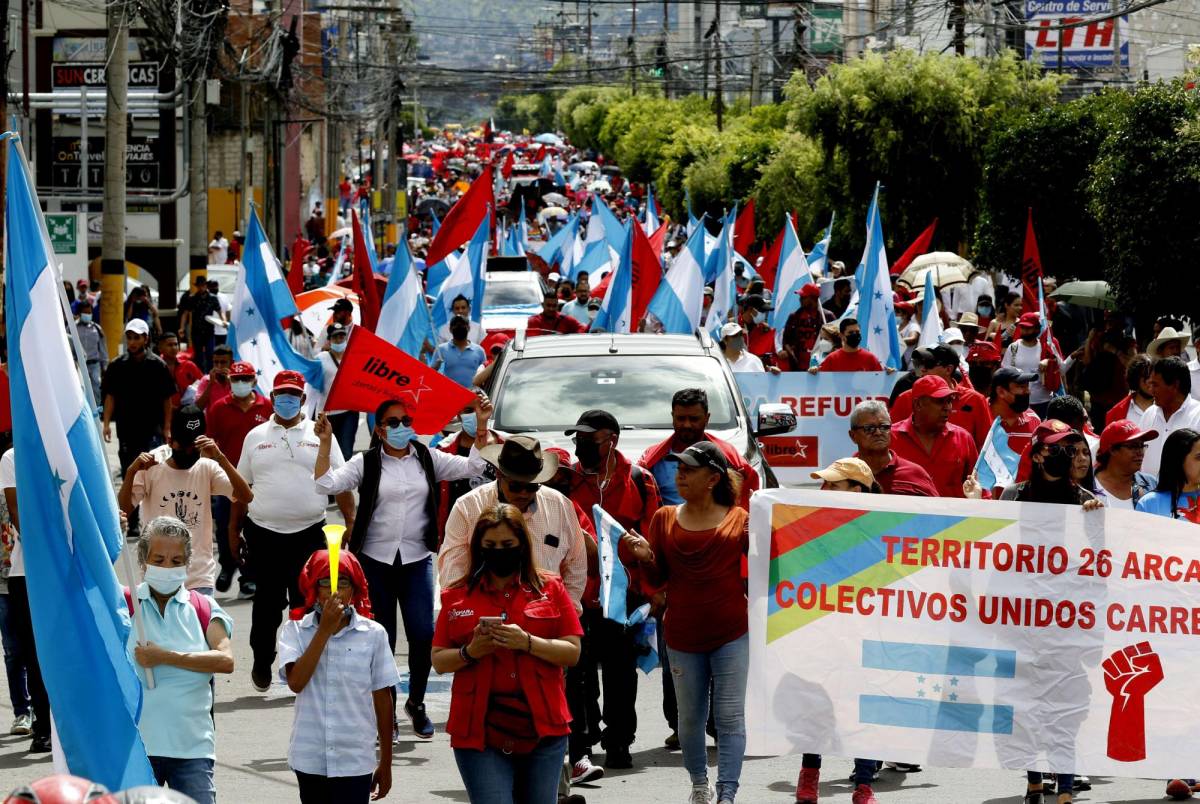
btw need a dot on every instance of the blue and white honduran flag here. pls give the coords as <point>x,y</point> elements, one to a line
<point>369,239</point>
<point>614,589</point>
<point>679,300</point>
<point>466,279</point>
<point>876,311</point>
<point>339,263</point>
<point>931,322</point>
<point>793,274</point>
<point>616,310</point>
<point>724,285</point>
<point>818,258</point>
<point>71,533</point>
<point>260,301</point>
<point>650,221</point>
<point>404,317</point>
<point>997,464</point>
<point>523,232</point>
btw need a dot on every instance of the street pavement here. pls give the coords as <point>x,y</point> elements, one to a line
<point>253,731</point>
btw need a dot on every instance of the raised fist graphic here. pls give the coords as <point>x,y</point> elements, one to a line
<point>1129,674</point>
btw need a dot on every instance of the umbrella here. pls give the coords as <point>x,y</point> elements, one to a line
<point>600,186</point>
<point>1093,293</point>
<point>340,233</point>
<point>547,139</point>
<point>432,203</point>
<point>611,170</point>
<point>555,199</point>
<point>316,306</point>
<point>948,267</point>
<point>585,166</point>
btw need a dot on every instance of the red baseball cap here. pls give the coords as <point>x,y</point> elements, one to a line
<point>932,386</point>
<point>1052,431</point>
<point>289,381</point>
<point>242,368</point>
<point>1122,431</point>
<point>809,289</point>
<point>983,352</point>
<point>1029,320</point>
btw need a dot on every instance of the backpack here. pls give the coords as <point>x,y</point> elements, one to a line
<point>199,603</point>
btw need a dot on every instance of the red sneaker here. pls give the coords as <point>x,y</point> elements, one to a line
<point>1180,789</point>
<point>863,795</point>
<point>806,786</point>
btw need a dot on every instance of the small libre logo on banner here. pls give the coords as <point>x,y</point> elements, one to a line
<point>791,451</point>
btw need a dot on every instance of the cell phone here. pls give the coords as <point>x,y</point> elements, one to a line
<point>488,622</point>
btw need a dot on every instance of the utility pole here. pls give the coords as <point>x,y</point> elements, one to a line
<point>720,88</point>
<point>197,181</point>
<point>666,61</point>
<point>112,244</point>
<point>633,51</point>
<point>588,52</point>
<point>958,21</point>
<point>756,70</point>
<point>1116,40</point>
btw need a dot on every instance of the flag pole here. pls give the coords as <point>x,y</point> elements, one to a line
<point>85,382</point>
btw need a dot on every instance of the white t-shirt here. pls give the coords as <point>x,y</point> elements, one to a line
<point>279,465</point>
<point>1027,359</point>
<point>218,251</point>
<point>226,308</point>
<point>1194,368</point>
<point>8,480</point>
<point>746,362</point>
<point>1188,416</point>
<point>329,369</point>
<point>910,329</point>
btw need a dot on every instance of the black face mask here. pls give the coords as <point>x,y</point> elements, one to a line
<point>854,340</point>
<point>185,458</point>
<point>1057,463</point>
<point>588,453</point>
<point>501,561</point>
<point>1020,403</point>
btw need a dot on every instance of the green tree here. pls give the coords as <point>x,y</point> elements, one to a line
<point>916,123</point>
<point>793,180</point>
<point>581,112</point>
<point>1145,192</point>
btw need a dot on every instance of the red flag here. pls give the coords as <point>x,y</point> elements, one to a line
<point>462,220</point>
<point>647,270</point>
<point>743,229</point>
<point>374,371</point>
<point>770,263</point>
<point>507,169</point>
<point>919,246</point>
<point>295,277</point>
<point>363,280</point>
<point>658,240</point>
<point>540,155</point>
<point>1031,269</point>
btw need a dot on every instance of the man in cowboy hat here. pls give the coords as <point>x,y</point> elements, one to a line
<point>558,537</point>
<point>1169,343</point>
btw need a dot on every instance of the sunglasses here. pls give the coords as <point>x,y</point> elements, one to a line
<point>1137,446</point>
<point>343,583</point>
<point>873,429</point>
<point>517,487</point>
<point>394,422</point>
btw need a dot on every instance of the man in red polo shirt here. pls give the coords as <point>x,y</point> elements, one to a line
<point>971,411</point>
<point>871,432</point>
<point>851,357</point>
<point>1010,402</point>
<point>551,320</point>
<point>230,418</point>
<point>927,438</point>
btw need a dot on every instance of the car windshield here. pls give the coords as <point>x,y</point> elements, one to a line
<point>510,294</point>
<point>549,393</point>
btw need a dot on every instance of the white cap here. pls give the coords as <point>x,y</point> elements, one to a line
<point>553,276</point>
<point>138,327</point>
<point>953,335</point>
<point>731,329</point>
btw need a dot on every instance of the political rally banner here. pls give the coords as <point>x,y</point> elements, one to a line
<point>373,371</point>
<point>973,633</point>
<point>822,403</point>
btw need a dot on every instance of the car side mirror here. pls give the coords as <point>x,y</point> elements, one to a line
<point>775,418</point>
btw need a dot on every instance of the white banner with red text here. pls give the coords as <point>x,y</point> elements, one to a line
<point>973,633</point>
<point>822,403</point>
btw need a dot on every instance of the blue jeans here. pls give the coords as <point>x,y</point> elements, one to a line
<point>345,428</point>
<point>412,586</point>
<point>493,777</point>
<point>14,664</point>
<point>192,777</point>
<point>727,668</point>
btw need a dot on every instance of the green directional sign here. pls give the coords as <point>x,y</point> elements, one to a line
<point>826,30</point>
<point>63,233</point>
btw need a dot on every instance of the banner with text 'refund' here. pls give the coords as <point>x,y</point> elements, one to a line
<point>973,633</point>
<point>822,403</point>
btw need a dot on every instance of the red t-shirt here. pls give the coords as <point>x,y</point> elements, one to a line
<point>860,360</point>
<point>706,592</point>
<point>950,462</point>
<point>562,324</point>
<point>185,373</point>
<point>549,614</point>
<point>228,424</point>
<point>905,478</point>
<point>760,340</point>
<point>971,412</point>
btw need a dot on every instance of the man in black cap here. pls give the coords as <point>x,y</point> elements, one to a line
<point>344,422</point>
<point>341,313</point>
<point>1010,401</point>
<point>760,336</point>
<point>603,476</point>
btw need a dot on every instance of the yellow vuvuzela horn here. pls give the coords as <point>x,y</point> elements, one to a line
<point>333,541</point>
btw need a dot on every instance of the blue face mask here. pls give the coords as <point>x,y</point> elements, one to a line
<point>287,406</point>
<point>399,437</point>
<point>469,425</point>
<point>85,318</point>
<point>337,347</point>
<point>760,317</point>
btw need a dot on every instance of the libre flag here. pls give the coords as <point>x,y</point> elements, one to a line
<point>373,371</point>
<point>364,277</point>
<point>919,246</point>
<point>69,520</point>
<point>1031,268</point>
<point>463,219</point>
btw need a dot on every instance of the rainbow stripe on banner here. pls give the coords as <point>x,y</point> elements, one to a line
<point>812,548</point>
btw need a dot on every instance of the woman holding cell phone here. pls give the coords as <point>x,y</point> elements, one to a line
<point>506,630</point>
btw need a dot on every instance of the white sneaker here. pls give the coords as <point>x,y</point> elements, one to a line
<point>584,771</point>
<point>22,724</point>
<point>702,794</point>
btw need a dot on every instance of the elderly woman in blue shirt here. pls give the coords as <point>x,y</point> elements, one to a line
<point>186,641</point>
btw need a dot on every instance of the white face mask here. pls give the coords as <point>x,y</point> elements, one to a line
<point>241,388</point>
<point>165,580</point>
